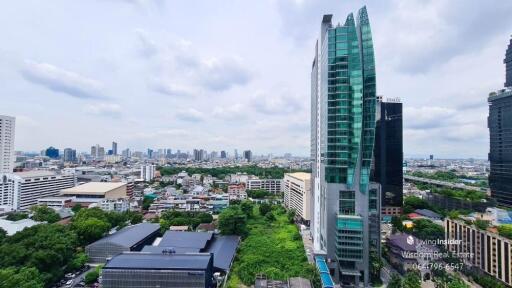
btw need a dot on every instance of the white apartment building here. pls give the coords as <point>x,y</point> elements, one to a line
<point>297,194</point>
<point>274,186</point>
<point>147,172</point>
<point>7,125</point>
<point>21,190</point>
<point>118,205</point>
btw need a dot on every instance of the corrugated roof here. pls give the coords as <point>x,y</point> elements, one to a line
<point>94,188</point>
<point>182,239</point>
<point>159,249</point>
<point>131,235</point>
<point>224,250</point>
<point>140,260</point>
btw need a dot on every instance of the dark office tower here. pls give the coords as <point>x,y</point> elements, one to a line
<point>223,154</point>
<point>388,153</point>
<point>52,152</point>
<point>508,65</point>
<point>500,154</point>
<point>346,206</point>
<point>248,155</point>
<point>150,153</point>
<point>114,148</point>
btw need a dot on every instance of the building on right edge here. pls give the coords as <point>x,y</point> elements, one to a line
<point>346,205</point>
<point>499,123</point>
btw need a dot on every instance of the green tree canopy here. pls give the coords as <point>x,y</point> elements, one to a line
<point>26,277</point>
<point>233,221</point>
<point>44,214</point>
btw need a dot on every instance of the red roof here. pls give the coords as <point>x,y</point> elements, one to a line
<point>414,215</point>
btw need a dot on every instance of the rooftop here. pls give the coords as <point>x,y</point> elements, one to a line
<point>151,261</point>
<point>184,239</point>
<point>34,173</point>
<point>131,235</point>
<point>300,175</point>
<point>99,188</point>
<point>402,241</point>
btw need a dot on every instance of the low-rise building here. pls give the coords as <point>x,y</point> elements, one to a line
<point>56,202</point>
<point>237,191</point>
<point>273,186</point>
<point>108,190</point>
<point>131,238</point>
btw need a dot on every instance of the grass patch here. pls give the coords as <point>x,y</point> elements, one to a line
<point>273,248</point>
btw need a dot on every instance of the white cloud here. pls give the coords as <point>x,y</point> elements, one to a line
<point>190,115</point>
<point>63,81</point>
<point>103,109</point>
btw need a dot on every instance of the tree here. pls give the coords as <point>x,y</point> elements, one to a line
<point>427,230</point>
<point>147,202</point>
<point>376,265</point>
<point>78,261</point>
<point>505,230</point>
<point>90,230</point>
<point>258,193</point>
<point>16,216</point>
<point>412,280</point>
<point>3,234</point>
<point>44,214</point>
<point>91,277</point>
<point>291,215</point>
<point>26,277</point>
<point>76,208</point>
<point>270,217</point>
<point>395,281</point>
<point>233,221</point>
<point>265,208</point>
<point>481,224</point>
<point>247,207</point>
<point>136,218</point>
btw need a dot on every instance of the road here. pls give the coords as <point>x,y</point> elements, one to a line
<point>444,183</point>
<point>78,278</point>
<point>308,244</point>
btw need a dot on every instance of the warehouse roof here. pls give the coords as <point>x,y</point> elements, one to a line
<point>159,249</point>
<point>151,261</point>
<point>131,235</point>
<point>96,188</point>
<point>183,239</point>
<point>224,250</point>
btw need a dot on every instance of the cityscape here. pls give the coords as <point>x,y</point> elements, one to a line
<point>331,145</point>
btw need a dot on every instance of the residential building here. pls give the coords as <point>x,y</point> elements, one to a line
<point>52,152</point>
<point>388,154</point>
<point>491,253</point>
<point>199,155</point>
<point>237,191</point>
<point>97,152</point>
<point>274,186</point>
<point>131,238</point>
<point>118,205</point>
<point>20,190</point>
<point>69,155</point>
<point>56,203</point>
<point>346,206</point>
<point>126,153</point>
<point>7,132</point>
<point>147,172</point>
<point>248,155</point>
<point>297,194</point>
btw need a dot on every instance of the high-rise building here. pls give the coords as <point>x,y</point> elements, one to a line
<point>297,194</point>
<point>223,154</point>
<point>69,155</point>
<point>388,155</point>
<point>346,206</point>
<point>500,125</point>
<point>52,152</point>
<point>150,153</point>
<point>147,172</point>
<point>127,153</point>
<point>508,65</point>
<point>97,152</point>
<point>114,148</point>
<point>199,154</point>
<point>7,129</point>
<point>248,155</point>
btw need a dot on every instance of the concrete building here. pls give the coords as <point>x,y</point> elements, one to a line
<point>21,190</point>
<point>248,155</point>
<point>491,253</point>
<point>7,132</point>
<point>147,172</point>
<point>98,190</point>
<point>237,191</point>
<point>56,202</point>
<point>346,207</point>
<point>114,148</point>
<point>297,194</point>
<point>69,155</point>
<point>274,186</point>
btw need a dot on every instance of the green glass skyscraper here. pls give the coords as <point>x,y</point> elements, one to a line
<point>346,208</point>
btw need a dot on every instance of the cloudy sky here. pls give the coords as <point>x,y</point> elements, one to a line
<point>222,75</point>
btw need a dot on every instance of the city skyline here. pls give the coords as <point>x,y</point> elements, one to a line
<point>163,83</point>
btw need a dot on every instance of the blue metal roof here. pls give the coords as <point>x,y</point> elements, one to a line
<point>151,261</point>
<point>131,235</point>
<point>183,239</point>
<point>224,250</point>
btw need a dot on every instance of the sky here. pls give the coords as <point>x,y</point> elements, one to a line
<point>225,75</point>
